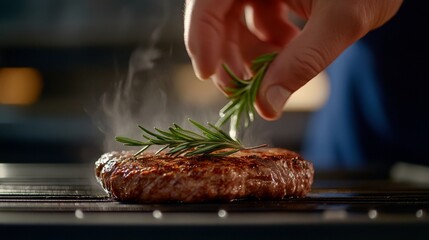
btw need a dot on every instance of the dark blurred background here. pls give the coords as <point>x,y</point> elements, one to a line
<point>58,58</point>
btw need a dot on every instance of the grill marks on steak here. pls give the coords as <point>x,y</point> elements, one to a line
<point>261,173</point>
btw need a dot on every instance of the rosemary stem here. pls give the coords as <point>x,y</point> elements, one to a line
<point>238,112</point>
<point>255,147</point>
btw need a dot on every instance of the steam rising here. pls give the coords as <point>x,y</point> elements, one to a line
<point>146,97</point>
<point>125,105</point>
<point>139,98</point>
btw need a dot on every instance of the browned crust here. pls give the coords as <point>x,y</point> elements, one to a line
<point>270,173</point>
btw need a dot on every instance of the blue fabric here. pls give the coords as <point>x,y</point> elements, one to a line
<point>333,134</point>
<point>377,111</point>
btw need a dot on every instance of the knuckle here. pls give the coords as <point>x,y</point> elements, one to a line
<point>307,65</point>
<point>357,24</point>
<point>208,25</point>
<point>356,20</point>
<point>213,22</point>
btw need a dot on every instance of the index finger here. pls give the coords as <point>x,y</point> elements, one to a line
<point>204,33</point>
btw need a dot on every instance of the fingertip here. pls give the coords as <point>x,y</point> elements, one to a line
<point>201,72</point>
<point>271,102</point>
<point>203,61</point>
<point>266,113</point>
<point>203,34</point>
<point>221,87</point>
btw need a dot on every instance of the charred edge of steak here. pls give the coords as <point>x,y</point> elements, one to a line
<point>266,174</point>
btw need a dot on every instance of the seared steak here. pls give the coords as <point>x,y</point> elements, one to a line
<point>265,174</point>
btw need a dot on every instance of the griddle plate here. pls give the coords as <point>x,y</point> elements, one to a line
<point>65,202</point>
<point>59,188</point>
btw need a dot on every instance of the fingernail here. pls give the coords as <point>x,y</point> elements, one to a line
<point>196,70</point>
<point>276,97</point>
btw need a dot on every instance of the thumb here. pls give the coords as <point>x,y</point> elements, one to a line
<point>323,38</point>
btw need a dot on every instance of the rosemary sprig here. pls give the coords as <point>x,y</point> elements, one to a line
<point>212,139</point>
<point>243,95</point>
<point>182,141</point>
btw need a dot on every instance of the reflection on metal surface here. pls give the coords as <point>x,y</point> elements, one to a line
<point>335,214</point>
<point>372,214</point>
<point>408,172</point>
<point>79,214</point>
<point>222,213</point>
<point>157,214</point>
<point>420,213</point>
<point>3,171</point>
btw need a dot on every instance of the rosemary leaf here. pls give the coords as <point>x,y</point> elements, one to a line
<point>142,150</point>
<point>236,79</point>
<point>178,141</point>
<point>166,134</point>
<point>243,95</point>
<point>211,140</point>
<point>161,149</point>
<point>150,133</point>
<point>129,141</point>
<point>205,149</point>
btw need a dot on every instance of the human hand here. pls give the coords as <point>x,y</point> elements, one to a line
<point>215,33</point>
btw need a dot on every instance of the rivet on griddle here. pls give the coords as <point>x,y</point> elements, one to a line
<point>78,214</point>
<point>157,214</point>
<point>222,213</point>
<point>420,213</point>
<point>372,214</point>
<point>335,214</point>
